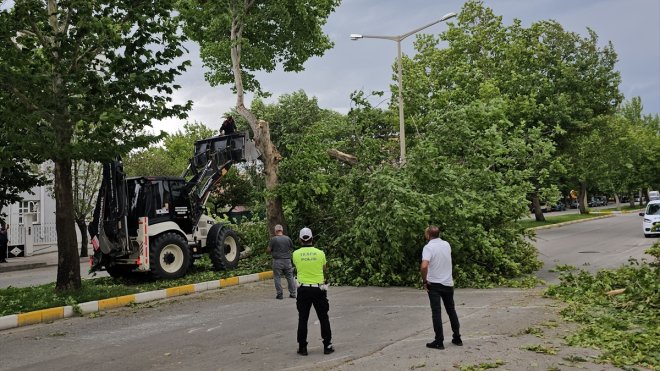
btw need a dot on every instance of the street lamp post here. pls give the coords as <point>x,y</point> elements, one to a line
<point>398,39</point>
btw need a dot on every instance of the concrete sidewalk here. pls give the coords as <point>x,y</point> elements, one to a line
<point>44,257</point>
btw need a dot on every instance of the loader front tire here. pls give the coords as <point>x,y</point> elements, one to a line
<point>223,247</point>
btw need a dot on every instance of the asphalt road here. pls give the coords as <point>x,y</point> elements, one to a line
<point>245,328</point>
<point>592,245</point>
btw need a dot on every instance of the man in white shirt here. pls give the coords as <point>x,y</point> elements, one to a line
<point>436,272</point>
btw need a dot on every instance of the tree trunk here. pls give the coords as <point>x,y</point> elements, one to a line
<point>582,197</point>
<point>644,197</point>
<point>536,203</point>
<point>271,158</point>
<point>82,226</point>
<point>68,262</point>
<point>261,129</point>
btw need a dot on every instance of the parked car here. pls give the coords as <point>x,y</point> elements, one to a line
<point>544,207</point>
<point>559,206</point>
<point>574,205</point>
<point>597,201</point>
<point>651,222</point>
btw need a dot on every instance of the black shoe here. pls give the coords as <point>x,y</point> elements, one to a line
<point>457,342</point>
<point>435,345</point>
<point>328,349</point>
<point>293,296</point>
<point>302,351</point>
<point>3,261</point>
<point>279,297</point>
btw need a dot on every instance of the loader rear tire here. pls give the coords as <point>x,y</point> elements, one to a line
<point>223,247</point>
<point>169,256</point>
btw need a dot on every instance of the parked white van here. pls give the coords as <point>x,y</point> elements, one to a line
<point>654,195</point>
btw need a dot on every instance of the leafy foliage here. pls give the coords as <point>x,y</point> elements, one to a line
<point>17,170</point>
<point>370,217</point>
<point>271,33</point>
<point>171,158</point>
<point>625,327</point>
<point>557,84</point>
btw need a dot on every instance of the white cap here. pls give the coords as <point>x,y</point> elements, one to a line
<point>306,234</point>
<point>278,227</point>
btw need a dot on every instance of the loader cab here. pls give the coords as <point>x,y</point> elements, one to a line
<point>160,199</point>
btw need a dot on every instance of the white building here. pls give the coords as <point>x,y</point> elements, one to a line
<point>31,223</point>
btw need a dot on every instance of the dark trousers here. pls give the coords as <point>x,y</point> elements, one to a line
<point>437,292</point>
<point>308,296</point>
<point>3,252</point>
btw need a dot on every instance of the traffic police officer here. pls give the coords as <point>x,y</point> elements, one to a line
<point>312,290</point>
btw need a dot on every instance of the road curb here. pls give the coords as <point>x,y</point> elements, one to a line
<point>571,222</point>
<point>52,314</point>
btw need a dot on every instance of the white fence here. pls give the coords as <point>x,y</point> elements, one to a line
<point>35,239</point>
<point>39,233</point>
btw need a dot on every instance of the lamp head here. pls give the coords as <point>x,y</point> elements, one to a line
<point>447,16</point>
<point>355,36</point>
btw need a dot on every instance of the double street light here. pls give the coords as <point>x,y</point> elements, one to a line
<point>398,39</point>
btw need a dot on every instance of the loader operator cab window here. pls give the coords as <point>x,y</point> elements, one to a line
<point>180,206</point>
<point>160,200</point>
<point>163,202</point>
<point>151,198</point>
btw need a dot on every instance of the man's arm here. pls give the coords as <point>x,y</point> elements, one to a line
<point>269,249</point>
<point>423,271</point>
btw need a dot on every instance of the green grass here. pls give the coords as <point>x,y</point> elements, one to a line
<point>623,207</point>
<point>26,299</point>
<point>531,223</point>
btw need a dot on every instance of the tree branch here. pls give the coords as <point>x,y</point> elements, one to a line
<point>65,29</point>
<point>343,157</point>
<point>39,35</point>
<point>24,99</point>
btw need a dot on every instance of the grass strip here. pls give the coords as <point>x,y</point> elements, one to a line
<point>14,300</point>
<point>624,208</point>
<point>549,220</point>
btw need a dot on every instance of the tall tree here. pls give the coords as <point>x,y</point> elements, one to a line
<point>557,81</point>
<point>239,37</point>
<point>171,157</point>
<point>89,76</point>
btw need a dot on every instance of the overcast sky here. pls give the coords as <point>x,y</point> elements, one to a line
<point>633,26</point>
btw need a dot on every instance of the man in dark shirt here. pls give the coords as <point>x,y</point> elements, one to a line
<point>228,126</point>
<point>280,247</point>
